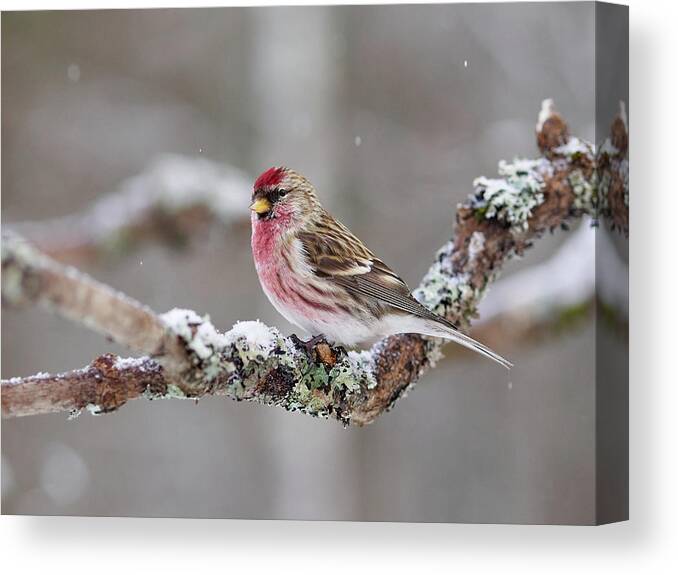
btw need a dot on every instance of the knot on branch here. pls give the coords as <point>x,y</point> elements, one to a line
<point>111,381</point>
<point>619,132</point>
<point>107,394</point>
<point>552,131</point>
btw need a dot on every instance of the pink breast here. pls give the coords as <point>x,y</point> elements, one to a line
<point>271,259</point>
<point>275,266</point>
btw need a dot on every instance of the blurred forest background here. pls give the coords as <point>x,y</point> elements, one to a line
<point>391,111</point>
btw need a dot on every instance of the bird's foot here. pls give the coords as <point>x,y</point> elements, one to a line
<point>316,348</point>
<point>307,346</point>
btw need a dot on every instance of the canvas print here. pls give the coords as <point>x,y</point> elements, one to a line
<point>359,263</point>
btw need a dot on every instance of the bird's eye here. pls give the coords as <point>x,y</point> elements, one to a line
<point>282,193</point>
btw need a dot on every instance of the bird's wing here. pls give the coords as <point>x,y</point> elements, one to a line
<point>334,253</point>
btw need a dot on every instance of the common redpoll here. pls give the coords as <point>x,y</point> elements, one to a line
<point>322,278</point>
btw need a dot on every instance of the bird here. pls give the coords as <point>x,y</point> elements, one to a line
<point>322,278</point>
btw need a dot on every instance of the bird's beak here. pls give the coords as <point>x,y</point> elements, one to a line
<point>261,206</point>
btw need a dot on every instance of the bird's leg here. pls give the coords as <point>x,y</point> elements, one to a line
<point>318,349</point>
<point>307,345</point>
<point>316,339</point>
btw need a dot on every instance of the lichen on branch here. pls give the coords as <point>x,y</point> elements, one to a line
<point>255,362</point>
<point>187,357</point>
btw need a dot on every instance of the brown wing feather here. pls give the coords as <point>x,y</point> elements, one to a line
<point>335,253</point>
<point>333,250</point>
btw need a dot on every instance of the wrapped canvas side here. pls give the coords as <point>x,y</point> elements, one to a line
<point>612,268</point>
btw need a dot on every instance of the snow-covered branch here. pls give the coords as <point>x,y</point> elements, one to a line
<point>187,357</point>
<point>557,294</point>
<point>176,198</point>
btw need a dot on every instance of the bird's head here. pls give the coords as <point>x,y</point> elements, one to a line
<point>283,194</point>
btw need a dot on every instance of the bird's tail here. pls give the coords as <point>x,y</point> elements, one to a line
<point>442,328</point>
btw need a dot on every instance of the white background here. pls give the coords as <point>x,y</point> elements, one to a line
<point>648,542</point>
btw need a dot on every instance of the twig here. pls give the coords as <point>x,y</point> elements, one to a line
<point>254,362</point>
<point>30,277</point>
<point>558,294</point>
<point>175,198</point>
<point>106,384</point>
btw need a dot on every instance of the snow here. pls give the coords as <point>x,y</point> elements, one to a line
<point>494,186</point>
<point>40,375</point>
<point>608,148</point>
<point>254,332</point>
<point>511,199</point>
<point>182,182</point>
<point>202,337</point>
<point>623,116</point>
<point>565,280</point>
<point>438,285</point>
<point>172,183</point>
<point>129,362</point>
<point>573,146</point>
<point>178,321</point>
<point>206,339</point>
<point>526,167</point>
<point>547,110</point>
<point>476,245</point>
<point>363,362</point>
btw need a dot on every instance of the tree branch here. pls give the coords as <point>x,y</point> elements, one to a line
<point>254,362</point>
<point>30,277</point>
<point>103,386</point>
<point>559,294</point>
<point>174,199</point>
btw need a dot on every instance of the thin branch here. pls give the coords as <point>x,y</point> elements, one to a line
<point>106,384</point>
<point>254,362</point>
<point>176,198</point>
<point>30,277</point>
<point>558,294</point>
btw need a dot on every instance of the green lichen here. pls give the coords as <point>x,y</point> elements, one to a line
<point>571,316</point>
<point>585,191</point>
<point>174,391</point>
<point>312,401</point>
<point>315,377</point>
<point>362,362</point>
<point>443,292</point>
<point>511,198</point>
<point>254,362</point>
<point>343,379</point>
